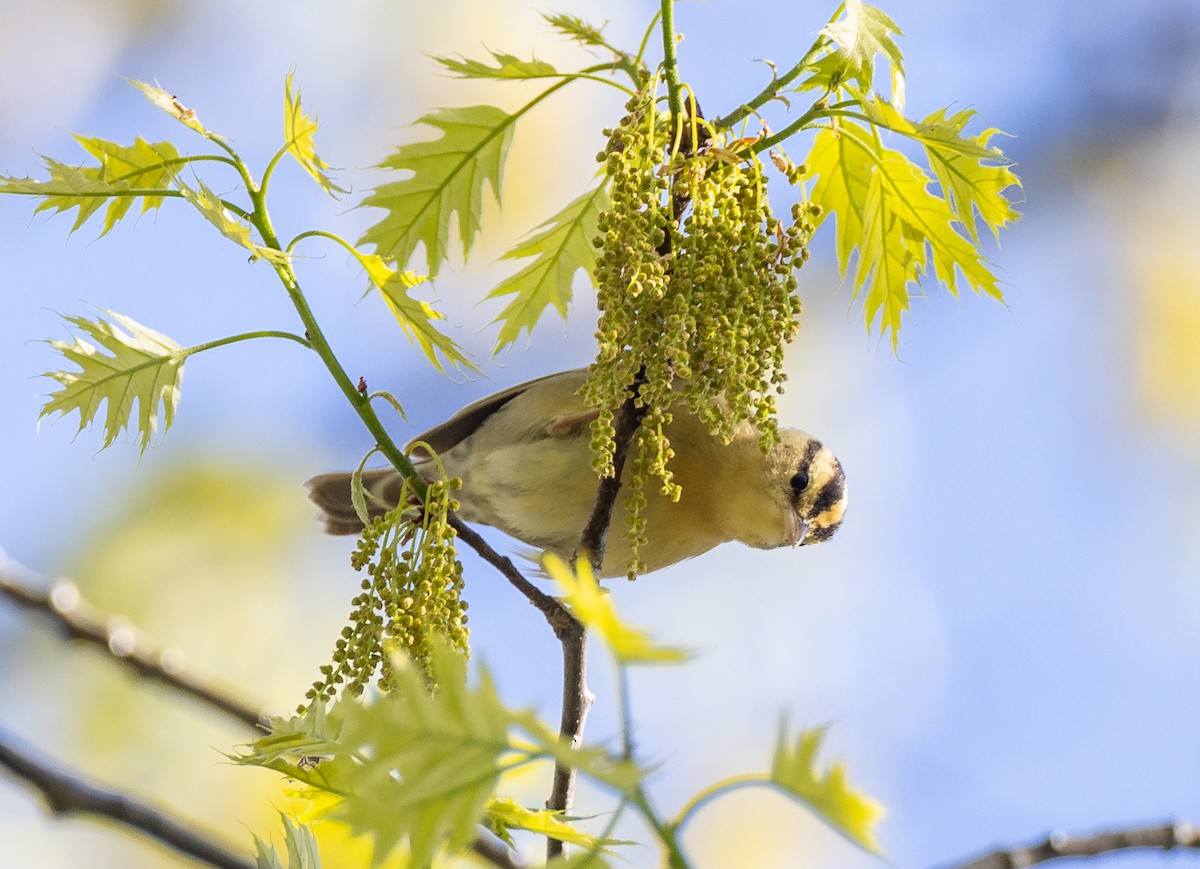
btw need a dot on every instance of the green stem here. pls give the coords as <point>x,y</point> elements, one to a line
<point>666,832</point>
<point>670,64</point>
<point>646,39</point>
<point>816,111</point>
<point>772,89</point>
<point>245,336</point>
<point>712,792</point>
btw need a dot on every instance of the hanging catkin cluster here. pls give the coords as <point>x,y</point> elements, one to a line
<point>411,593</point>
<point>696,290</point>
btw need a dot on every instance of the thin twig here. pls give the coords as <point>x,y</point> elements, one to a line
<point>76,619</point>
<point>494,850</point>
<point>555,613</point>
<point>67,793</point>
<point>1160,837</point>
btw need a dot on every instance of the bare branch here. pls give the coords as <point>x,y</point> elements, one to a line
<point>76,619</point>
<point>1056,846</point>
<point>67,793</point>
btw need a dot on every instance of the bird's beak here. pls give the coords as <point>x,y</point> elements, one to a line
<point>797,528</point>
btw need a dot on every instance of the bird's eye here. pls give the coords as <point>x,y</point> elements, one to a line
<point>799,482</point>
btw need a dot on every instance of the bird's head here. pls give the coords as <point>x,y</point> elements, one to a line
<point>809,487</point>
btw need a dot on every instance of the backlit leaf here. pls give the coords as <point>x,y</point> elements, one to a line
<point>300,846</point>
<point>121,175</point>
<point>508,814</point>
<point>214,211</point>
<point>415,317</point>
<point>560,247</point>
<point>447,181</point>
<point>594,607</point>
<point>846,809</point>
<point>885,211</point>
<point>170,104</point>
<point>862,33</point>
<point>507,66</point>
<point>426,763</point>
<point>140,365</point>
<point>298,130</point>
<point>575,28</point>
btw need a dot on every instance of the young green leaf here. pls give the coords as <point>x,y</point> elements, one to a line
<point>507,814</point>
<point>508,66</point>
<point>141,365</point>
<point>214,211</point>
<point>885,210</point>
<point>298,130</point>
<point>574,27</point>
<point>448,175</point>
<point>426,763</point>
<point>973,182</point>
<point>121,175</point>
<point>864,32</point>
<point>847,810</point>
<point>170,104</point>
<point>415,317</point>
<point>300,844</point>
<point>561,246</point>
<point>594,607</point>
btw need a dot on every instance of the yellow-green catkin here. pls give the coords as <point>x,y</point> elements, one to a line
<point>411,593</point>
<point>696,289</point>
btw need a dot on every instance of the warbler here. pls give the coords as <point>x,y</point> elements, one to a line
<point>524,458</point>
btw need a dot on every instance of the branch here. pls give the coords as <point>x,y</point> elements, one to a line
<point>1056,846</point>
<point>68,794</point>
<point>76,619</point>
<point>628,420</point>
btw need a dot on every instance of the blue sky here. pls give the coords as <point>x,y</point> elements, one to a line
<point>1003,637</point>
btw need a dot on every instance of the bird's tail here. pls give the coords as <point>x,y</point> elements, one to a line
<point>331,493</point>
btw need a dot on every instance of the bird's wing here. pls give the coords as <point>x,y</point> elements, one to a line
<point>447,435</point>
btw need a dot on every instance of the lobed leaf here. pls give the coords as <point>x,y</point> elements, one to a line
<point>972,173</point>
<point>507,814</point>
<point>886,212</point>
<point>594,607</point>
<point>574,27</point>
<point>826,792</point>
<point>122,174</point>
<point>864,32</point>
<point>298,131</point>
<point>426,763</point>
<point>170,104</point>
<point>214,211</point>
<point>447,181</point>
<point>300,845</point>
<point>508,67</point>
<point>561,246</point>
<point>415,317</point>
<point>140,365</point>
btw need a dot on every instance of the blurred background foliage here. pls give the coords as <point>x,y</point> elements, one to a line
<point>1005,635</point>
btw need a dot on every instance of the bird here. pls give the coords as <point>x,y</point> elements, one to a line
<point>524,457</point>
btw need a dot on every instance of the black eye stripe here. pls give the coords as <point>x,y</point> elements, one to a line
<point>830,494</point>
<point>822,533</point>
<point>810,453</point>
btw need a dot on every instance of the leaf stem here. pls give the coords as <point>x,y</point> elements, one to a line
<point>711,793</point>
<point>244,336</point>
<point>817,110</point>
<point>666,832</point>
<point>771,91</point>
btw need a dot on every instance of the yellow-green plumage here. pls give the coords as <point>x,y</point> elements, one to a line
<point>524,459</point>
